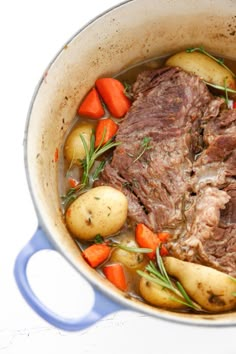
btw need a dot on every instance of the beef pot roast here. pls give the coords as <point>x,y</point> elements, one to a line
<point>177,164</point>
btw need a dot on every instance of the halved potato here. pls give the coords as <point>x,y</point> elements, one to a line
<point>74,149</point>
<point>156,295</point>
<point>210,288</point>
<point>203,66</point>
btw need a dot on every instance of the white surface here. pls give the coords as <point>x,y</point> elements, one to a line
<point>32,32</point>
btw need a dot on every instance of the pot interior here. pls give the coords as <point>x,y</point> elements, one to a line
<point>132,32</point>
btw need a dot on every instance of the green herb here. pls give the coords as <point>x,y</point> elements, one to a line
<point>234,279</point>
<point>159,276</point>
<point>128,90</point>
<point>226,94</point>
<point>220,61</point>
<point>69,197</point>
<point>145,145</point>
<point>91,155</point>
<point>132,249</point>
<point>98,170</point>
<point>98,239</point>
<point>219,87</point>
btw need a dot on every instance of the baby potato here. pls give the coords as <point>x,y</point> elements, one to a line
<point>101,210</point>
<point>156,295</point>
<point>210,288</point>
<point>203,66</point>
<point>74,148</point>
<point>131,260</point>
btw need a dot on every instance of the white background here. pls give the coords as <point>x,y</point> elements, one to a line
<point>32,32</point>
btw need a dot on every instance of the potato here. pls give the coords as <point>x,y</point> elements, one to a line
<point>210,288</point>
<point>156,295</point>
<point>74,148</point>
<point>101,210</point>
<point>131,260</point>
<point>203,66</point>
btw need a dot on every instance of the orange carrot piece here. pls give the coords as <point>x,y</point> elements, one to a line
<point>163,251</point>
<point>56,155</point>
<point>96,254</point>
<point>91,106</point>
<point>116,275</point>
<point>112,93</point>
<point>147,239</point>
<point>163,236</point>
<point>72,182</point>
<point>105,130</point>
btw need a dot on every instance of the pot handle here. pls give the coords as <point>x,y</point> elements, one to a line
<point>101,307</point>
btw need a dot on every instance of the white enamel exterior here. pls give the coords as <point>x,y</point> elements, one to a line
<point>134,31</point>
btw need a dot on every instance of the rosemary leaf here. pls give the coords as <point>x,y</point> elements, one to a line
<point>145,145</point>
<point>161,265</point>
<point>98,170</point>
<point>152,279</point>
<point>187,298</point>
<point>133,249</point>
<point>98,239</point>
<point>226,94</point>
<point>219,87</point>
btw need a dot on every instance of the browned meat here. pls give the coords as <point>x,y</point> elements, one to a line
<point>176,164</point>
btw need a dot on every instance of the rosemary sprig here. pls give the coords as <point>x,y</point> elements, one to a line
<point>219,87</point>
<point>91,155</point>
<point>99,239</point>
<point>218,60</point>
<point>145,145</point>
<point>131,249</point>
<point>159,276</point>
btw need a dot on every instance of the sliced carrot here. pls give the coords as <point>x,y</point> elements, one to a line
<point>112,93</point>
<point>72,182</point>
<point>234,105</point>
<point>163,251</point>
<point>91,106</point>
<point>96,254</point>
<point>56,155</point>
<point>147,239</point>
<point>116,275</point>
<point>163,236</point>
<point>105,130</point>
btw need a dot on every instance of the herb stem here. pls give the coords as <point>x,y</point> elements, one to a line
<point>159,276</point>
<point>219,61</point>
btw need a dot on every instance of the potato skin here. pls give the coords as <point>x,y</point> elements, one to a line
<point>155,295</point>
<point>208,287</point>
<point>203,66</point>
<point>131,260</point>
<point>101,210</point>
<point>74,148</point>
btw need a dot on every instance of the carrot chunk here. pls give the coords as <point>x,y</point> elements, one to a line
<point>96,254</point>
<point>91,106</point>
<point>112,93</point>
<point>105,130</point>
<point>147,239</point>
<point>116,275</point>
<point>163,236</point>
